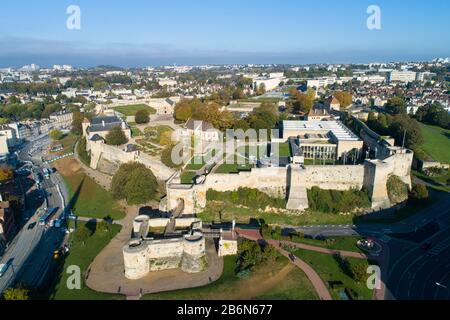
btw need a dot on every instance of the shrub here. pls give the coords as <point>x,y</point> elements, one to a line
<point>85,157</point>
<point>251,254</point>
<point>359,271</point>
<point>419,192</point>
<point>16,294</point>
<point>251,198</point>
<point>56,135</point>
<point>333,201</point>
<point>397,190</point>
<point>6,173</point>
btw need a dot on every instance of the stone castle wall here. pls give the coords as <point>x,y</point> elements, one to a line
<point>100,150</point>
<point>292,182</point>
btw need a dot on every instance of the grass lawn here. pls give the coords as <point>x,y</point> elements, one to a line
<point>88,199</point>
<point>160,135</point>
<point>131,109</point>
<point>135,132</point>
<point>243,215</point>
<point>293,286</point>
<point>437,142</point>
<point>68,143</point>
<point>195,164</point>
<point>329,270</point>
<point>82,256</point>
<point>281,150</point>
<point>233,168</point>
<point>437,183</point>
<point>187,176</point>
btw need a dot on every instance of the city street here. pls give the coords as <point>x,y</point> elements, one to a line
<point>31,252</point>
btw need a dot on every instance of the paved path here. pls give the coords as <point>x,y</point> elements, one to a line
<point>312,275</point>
<point>348,254</point>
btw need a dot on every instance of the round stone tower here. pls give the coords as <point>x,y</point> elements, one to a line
<point>194,253</point>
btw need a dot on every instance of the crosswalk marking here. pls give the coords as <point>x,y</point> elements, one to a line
<point>440,247</point>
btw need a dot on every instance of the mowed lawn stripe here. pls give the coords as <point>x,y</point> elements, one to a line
<point>437,143</point>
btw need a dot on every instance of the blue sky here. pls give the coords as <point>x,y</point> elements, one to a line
<point>146,32</point>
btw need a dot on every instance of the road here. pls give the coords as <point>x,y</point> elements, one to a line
<point>31,251</point>
<point>409,272</point>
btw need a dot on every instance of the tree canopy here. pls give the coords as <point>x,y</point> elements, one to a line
<point>395,105</point>
<point>345,98</point>
<point>142,116</point>
<point>134,183</point>
<point>56,135</point>
<point>116,137</point>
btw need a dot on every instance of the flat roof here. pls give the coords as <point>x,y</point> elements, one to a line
<point>337,128</point>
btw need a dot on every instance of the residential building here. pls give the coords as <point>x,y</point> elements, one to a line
<point>10,134</point>
<point>401,76</point>
<point>62,119</point>
<point>202,130</point>
<point>100,126</point>
<point>4,148</point>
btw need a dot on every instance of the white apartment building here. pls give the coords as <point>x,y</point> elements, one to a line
<point>402,76</point>
<point>371,78</point>
<point>327,81</point>
<point>167,82</point>
<point>4,149</point>
<point>10,134</point>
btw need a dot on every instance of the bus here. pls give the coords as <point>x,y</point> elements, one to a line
<point>50,212</point>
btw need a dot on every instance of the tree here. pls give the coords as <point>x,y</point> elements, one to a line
<point>6,173</point>
<point>77,123</point>
<point>142,116</point>
<point>395,105</point>
<point>135,183</point>
<point>434,114</point>
<point>16,294</point>
<point>183,110</point>
<point>345,98</point>
<point>302,102</point>
<point>83,234</point>
<point>404,127</point>
<point>359,271</point>
<point>56,135</point>
<point>116,137</point>
<point>261,89</point>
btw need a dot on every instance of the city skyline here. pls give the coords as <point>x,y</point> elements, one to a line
<point>295,32</point>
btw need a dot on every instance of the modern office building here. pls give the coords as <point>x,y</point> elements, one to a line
<point>328,140</point>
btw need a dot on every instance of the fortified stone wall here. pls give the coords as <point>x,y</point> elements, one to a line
<point>100,150</point>
<point>143,255</point>
<point>294,181</point>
